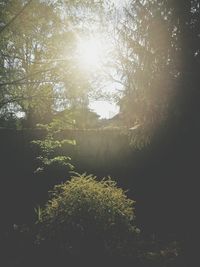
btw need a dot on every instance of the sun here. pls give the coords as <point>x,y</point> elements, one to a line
<point>93,56</point>
<point>91,53</point>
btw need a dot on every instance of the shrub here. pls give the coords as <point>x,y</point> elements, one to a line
<point>86,216</point>
<point>52,154</point>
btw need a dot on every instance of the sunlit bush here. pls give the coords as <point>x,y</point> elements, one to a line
<point>85,216</point>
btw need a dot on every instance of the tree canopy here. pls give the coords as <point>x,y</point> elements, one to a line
<point>152,61</point>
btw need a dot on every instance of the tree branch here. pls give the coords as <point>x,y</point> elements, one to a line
<point>17,15</point>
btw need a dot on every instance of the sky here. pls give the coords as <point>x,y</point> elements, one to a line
<point>92,53</point>
<point>105,109</point>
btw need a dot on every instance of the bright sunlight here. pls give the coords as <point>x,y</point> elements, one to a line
<point>104,108</point>
<point>91,53</point>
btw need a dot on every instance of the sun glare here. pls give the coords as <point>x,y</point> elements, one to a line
<point>91,53</point>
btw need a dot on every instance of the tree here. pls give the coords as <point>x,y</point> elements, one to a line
<point>38,68</point>
<point>161,71</point>
<point>27,83</point>
<point>157,43</point>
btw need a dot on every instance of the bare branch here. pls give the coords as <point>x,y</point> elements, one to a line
<point>18,81</point>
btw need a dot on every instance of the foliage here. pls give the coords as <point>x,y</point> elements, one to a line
<point>53,149</point>
<point>38,66</point>
<point>27,82</point>
<point>140,137</point>
<point>158,54</point>
<point>145,63</point>
<point>10,120</point>
<point>87,216</point>
<point>82,117</point>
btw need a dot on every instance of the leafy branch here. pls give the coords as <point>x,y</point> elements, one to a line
<point>53,148</point>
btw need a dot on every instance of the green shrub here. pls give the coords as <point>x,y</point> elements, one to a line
<point>85,216</point>
<point>52,149</point>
